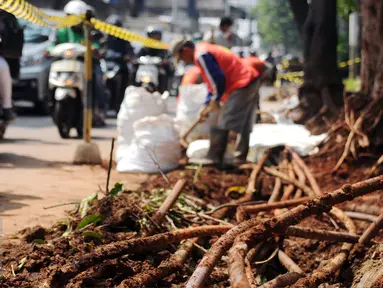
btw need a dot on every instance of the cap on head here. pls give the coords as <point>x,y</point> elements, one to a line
<point>176,46</point>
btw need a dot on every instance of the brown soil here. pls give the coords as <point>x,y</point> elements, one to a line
<point>38,255</point>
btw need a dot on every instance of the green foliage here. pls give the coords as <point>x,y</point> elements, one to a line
<point>276,25</point>
<point>92,235</point>
<point>90,219</point>
<point>86,203</point>
<point>345,8</point>
<point>116,190</point>
<point>38,241</point>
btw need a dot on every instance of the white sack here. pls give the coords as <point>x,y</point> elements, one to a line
<point>191,101</point>
<point>265,136</point>
<point>155,142</point>
<point>137,104</point>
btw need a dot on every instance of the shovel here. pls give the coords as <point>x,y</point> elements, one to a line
<point>184,143</point>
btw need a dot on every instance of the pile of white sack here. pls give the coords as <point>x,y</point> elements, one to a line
<point>191,100</point>
<point>148,138</point>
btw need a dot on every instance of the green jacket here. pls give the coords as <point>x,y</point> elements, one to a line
<point>67,35</point>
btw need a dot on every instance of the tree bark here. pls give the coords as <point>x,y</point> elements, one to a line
<point>300,10</point>
<point>372,53</point>
<point>322,86</point>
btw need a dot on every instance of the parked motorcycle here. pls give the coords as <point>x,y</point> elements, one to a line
<point>66,82</point>
<point>149,72</point>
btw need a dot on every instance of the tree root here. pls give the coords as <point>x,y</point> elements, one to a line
<point>289,180</point>
<point>284,280</point>
<point>137,245</point>
<point>251,187</point>
<point>262,231</point>
<point>310,177</point>
<point>322,235</point>
<point>361,216</point>
<point>363,208</point>
<point>289,263</point>
<point>322,274</point>
<point>159,216</point>
<point>372,230</point>
<point>166,268</point>
<point>276,205</point>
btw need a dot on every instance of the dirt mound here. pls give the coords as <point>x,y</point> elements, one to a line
<point>92,250</point>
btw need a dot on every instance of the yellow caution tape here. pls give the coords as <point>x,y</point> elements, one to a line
<point>24,10</point>
<point>126,35</point>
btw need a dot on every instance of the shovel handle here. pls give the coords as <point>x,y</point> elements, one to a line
<point>183,140</point>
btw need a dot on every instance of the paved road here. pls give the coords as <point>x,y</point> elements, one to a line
<point>36,171</point>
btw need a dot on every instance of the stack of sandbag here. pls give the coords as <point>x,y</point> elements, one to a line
<point>190,102</point>
<point>138,103</point>
<point>155,146</point>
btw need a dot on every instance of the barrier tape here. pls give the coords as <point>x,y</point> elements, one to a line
<point>294,76</point>
<point>22,9</point>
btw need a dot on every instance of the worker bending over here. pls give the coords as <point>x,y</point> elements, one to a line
<point>230,82</point>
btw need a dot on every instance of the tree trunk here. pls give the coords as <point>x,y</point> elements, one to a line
<point>300,10</point>
<point>372,49</point>
<point>322,86</point>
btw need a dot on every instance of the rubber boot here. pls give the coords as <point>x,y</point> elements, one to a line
<point>217,149</point>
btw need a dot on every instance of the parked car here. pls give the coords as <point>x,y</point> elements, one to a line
<point>32,86</point>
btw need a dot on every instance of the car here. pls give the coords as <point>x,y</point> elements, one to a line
<point>31,89</point>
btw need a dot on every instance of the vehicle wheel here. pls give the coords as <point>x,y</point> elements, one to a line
<point>3,127</point>
<point>42,107</point>
<point>61,120</point>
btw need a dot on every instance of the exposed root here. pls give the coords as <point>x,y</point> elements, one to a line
<point>251,187</point>
<point>138,245</point>
<point>361,216</point>
<point>279,224</point>
<point>284,280</point>
<point>167,267</point>
<point>323,273</point>
<point>159,216</point>
<point>289,180</point>
<point>276,205</point>
<point>289,263</point>
<point>372,230</point>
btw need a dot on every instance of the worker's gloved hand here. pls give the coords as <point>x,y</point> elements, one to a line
<point>212,106</point>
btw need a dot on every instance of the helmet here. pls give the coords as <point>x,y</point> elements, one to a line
<point>114,20</point>
<point>76,7</point>
<point>153,32</point>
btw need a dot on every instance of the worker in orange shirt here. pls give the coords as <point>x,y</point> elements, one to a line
<point>231,83</point>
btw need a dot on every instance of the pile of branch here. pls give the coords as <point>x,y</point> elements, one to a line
<point>362,124</point>
<point>296,196</point>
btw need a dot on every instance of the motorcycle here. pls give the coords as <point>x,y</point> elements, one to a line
<point>115,71</point>
<point>149,72</point>
<point>66,83</point>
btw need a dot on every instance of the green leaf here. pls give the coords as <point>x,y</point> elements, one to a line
<point>149,208</point>
<point>116,190</point>
<point>90,219</point>
<point>92,235</point>
<point>86,203</point>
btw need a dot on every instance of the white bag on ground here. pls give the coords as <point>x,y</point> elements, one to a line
<point>265,136</point>
<point>155,146</point>
<point>138,103</point>
<point>191,101</point>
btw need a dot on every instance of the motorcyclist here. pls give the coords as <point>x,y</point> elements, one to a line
<point>12,41</point>
<point>121,52</point>
<point>156,34</point>
<point>75,34</point>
